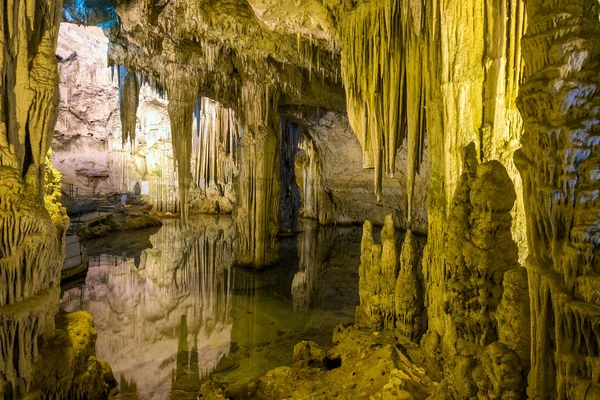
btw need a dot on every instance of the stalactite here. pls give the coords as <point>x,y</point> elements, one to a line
<point>214,152</point>
<point>316,201</point>
<point>382,74</point>
<point>129,97</point>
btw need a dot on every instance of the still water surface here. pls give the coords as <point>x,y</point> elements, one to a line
<point>171,310</point>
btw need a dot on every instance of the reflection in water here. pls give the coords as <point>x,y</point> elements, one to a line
<point>179,311</point>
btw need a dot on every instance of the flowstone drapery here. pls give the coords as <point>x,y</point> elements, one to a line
<point>559,165</point>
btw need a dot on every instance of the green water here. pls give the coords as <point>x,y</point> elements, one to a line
<point>171,310</point>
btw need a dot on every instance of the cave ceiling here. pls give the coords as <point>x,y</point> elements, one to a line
<point>288,46</point>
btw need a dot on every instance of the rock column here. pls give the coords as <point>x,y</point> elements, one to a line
<point>257,209</point>
<point>559,164</point>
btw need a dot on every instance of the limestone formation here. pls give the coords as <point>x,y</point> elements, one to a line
<point>257,209</point>
<point>409,300</point>
<point>390,287</point>
<point>479,253</point>
<point>33,223</point>
<point>558,163</point>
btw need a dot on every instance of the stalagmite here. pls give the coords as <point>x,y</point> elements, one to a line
<point>470,92</point>
<point>478,254</point>
<point>408,302</point>
<point>378,272</point>
<point>559,166</point>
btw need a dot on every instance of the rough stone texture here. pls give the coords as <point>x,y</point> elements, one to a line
<point>361,365</point>
<point>559,163</point>
<point>33,224</point>
<point>67,367</point>
<point>479,252</point>
<point>96,158</point>
<point>390,287</point>
<point>336,189</point>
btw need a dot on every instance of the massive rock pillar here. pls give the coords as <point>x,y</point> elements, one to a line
<point>257,210</point>
<point>559,164</point>
<point>182,90</point>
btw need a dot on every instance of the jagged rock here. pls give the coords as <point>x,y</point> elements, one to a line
<point>390,287</point>
<point>558,163</point>
<point>370,366</point>
<point>308,354</point>
<point>67,367</point>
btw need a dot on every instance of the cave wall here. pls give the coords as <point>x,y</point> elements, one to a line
<point>32,334</point>
<point>558,163</point>
<point>98,155</point>
<point>336,189</point>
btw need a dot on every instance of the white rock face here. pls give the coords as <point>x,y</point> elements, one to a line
<point>89,151</point>
<point>89,111</point>
<point>335,188</point>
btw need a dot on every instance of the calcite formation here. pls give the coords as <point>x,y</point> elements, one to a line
<point>390,288</point>
<point>33,224</point>
<point>479,253</point>
<point>558,163</point>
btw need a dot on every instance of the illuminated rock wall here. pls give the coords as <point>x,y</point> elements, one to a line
<point>33,223</point>
<point>559,164</point>
<point>336,189</point>
<point>98,155</point>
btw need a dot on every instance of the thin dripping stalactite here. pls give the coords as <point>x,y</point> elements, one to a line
<point>215,146</point>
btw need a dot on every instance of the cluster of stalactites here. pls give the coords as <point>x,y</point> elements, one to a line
<point>390,289</point>
<point>382,73</point>
<point>215,143</point>
<point>129,99</point>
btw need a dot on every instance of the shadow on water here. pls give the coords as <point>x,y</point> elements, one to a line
<point>171,311</point>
